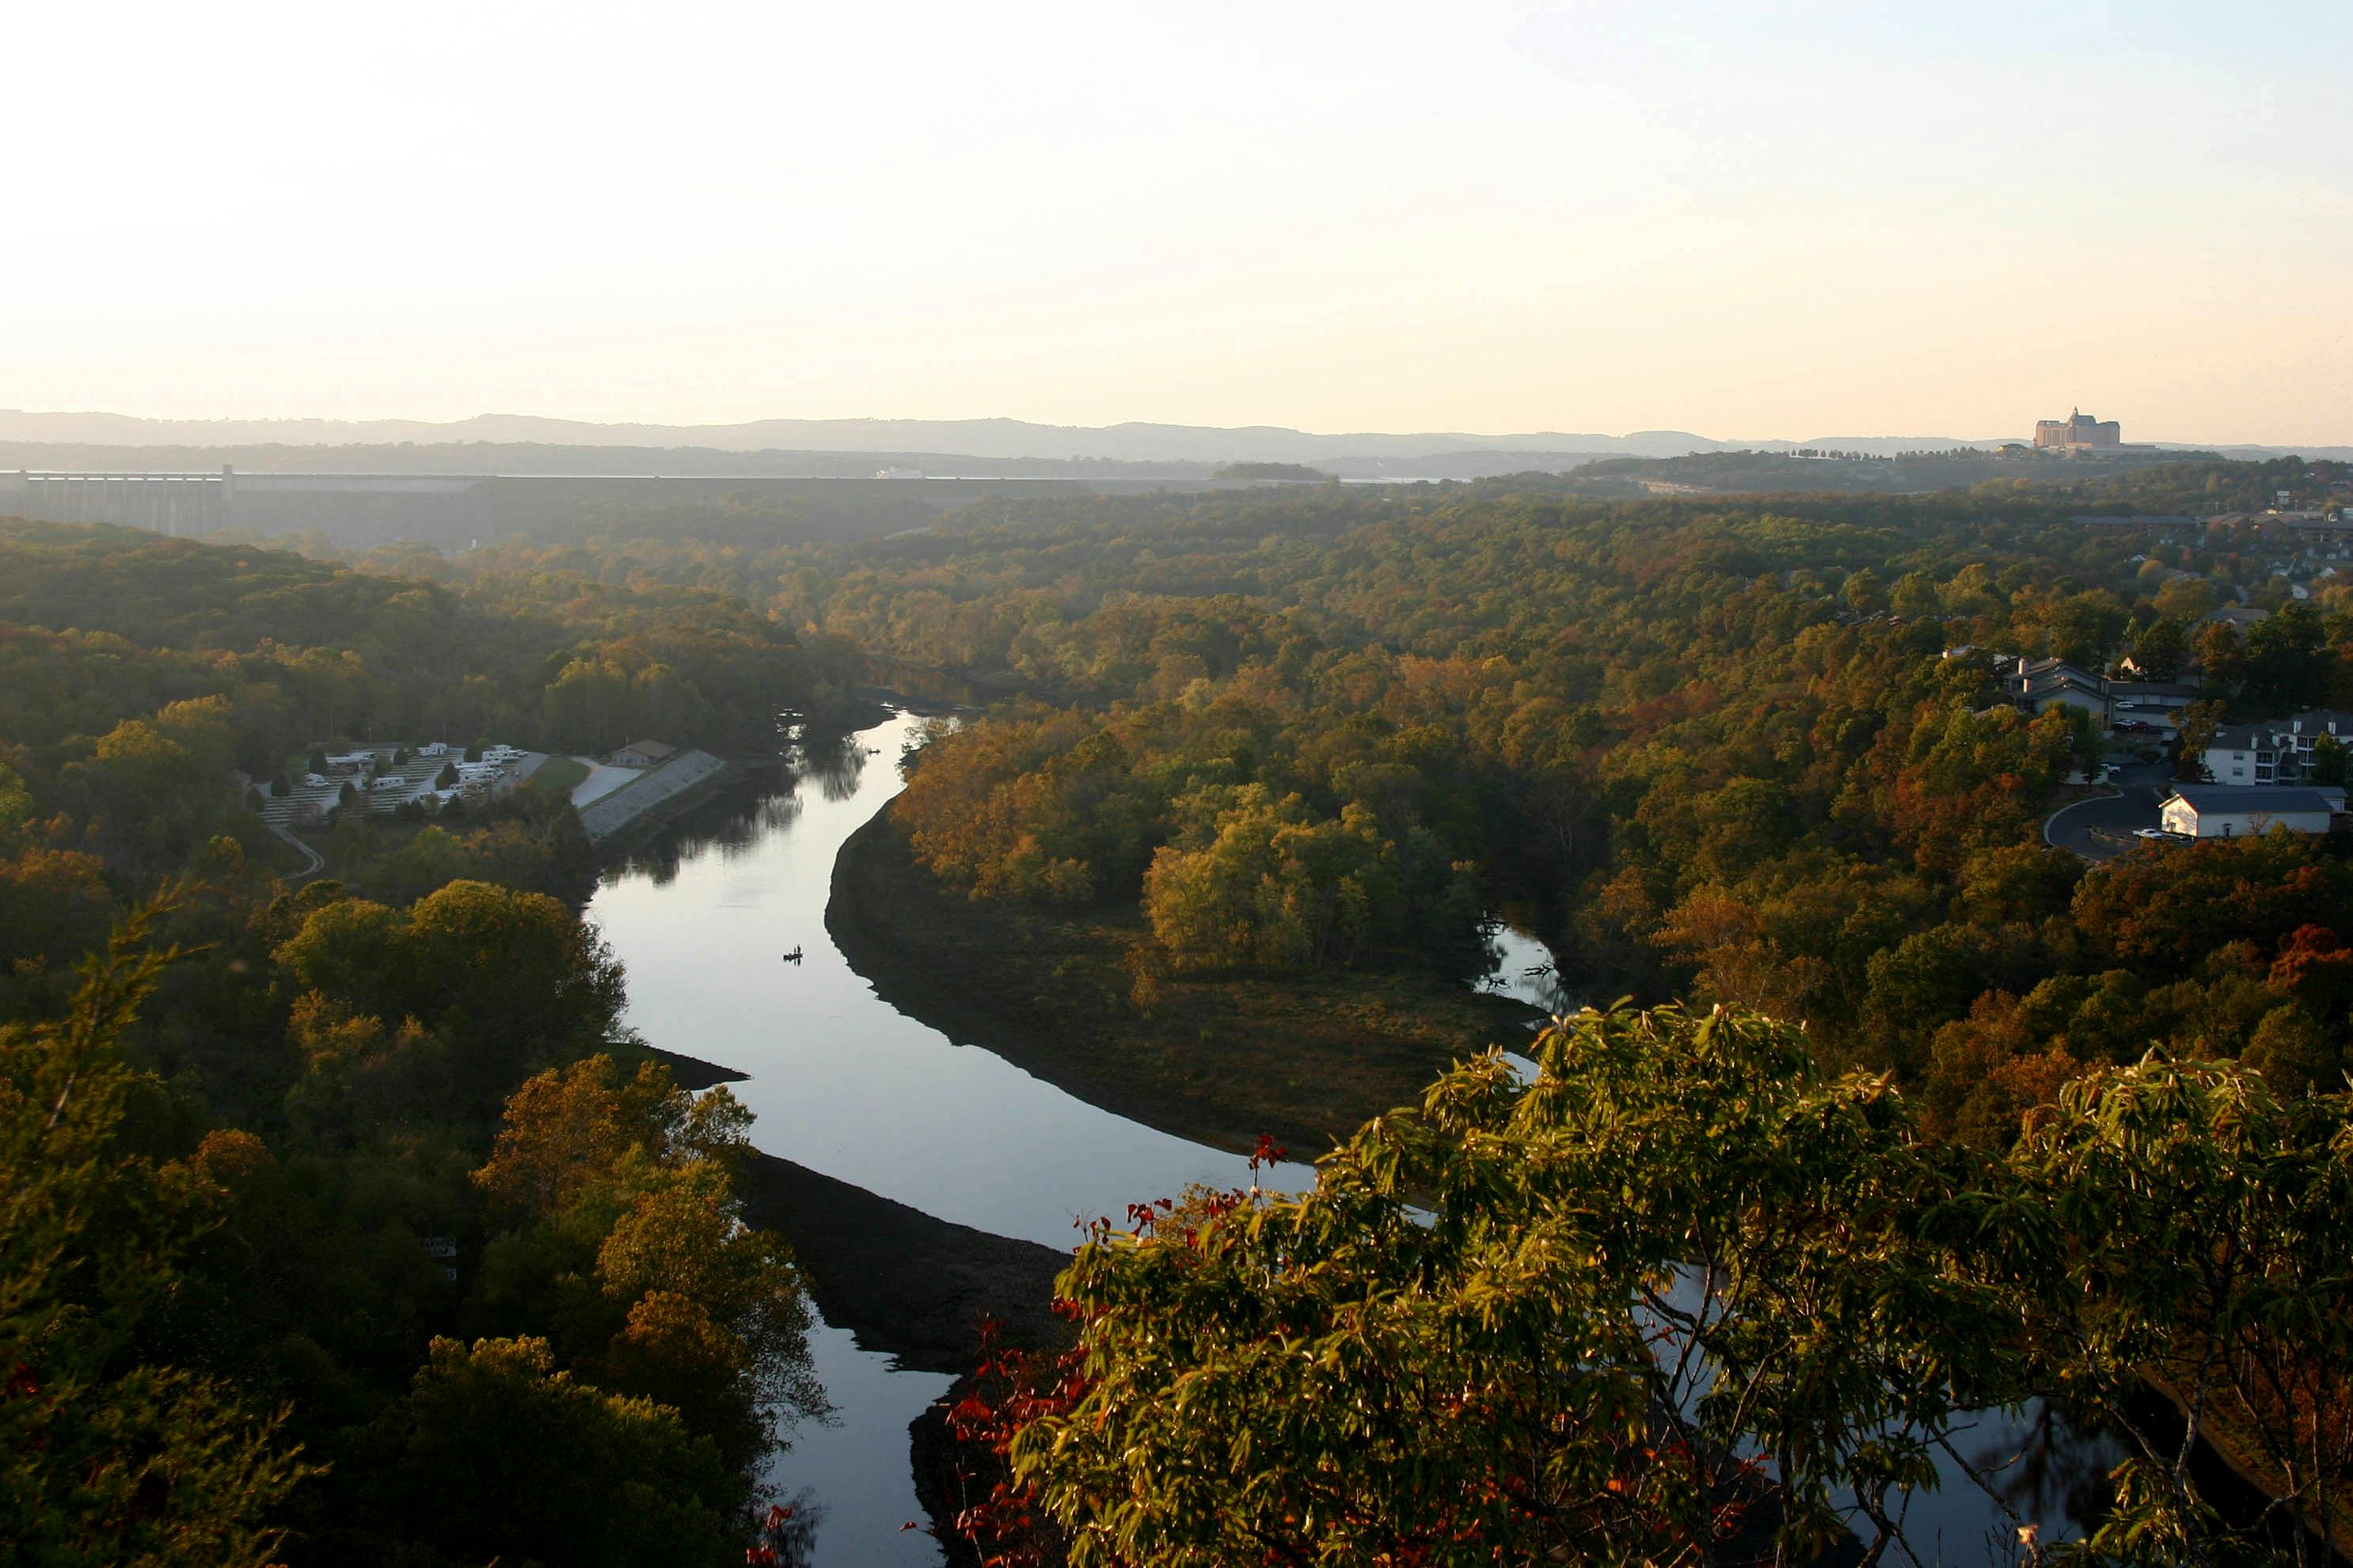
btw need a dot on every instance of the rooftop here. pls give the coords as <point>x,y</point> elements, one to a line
<point>2318,721</point>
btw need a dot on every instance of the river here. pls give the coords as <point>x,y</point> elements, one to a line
<point>846,1085</point>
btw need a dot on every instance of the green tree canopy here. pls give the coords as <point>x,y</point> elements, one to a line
<point>495,1454</point>
<point>1686,1296</point>
<point>108,1454</point>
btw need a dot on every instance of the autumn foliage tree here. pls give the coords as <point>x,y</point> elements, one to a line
<point>1686,1298</point>
<point>108,1454</point>
<point>627,1190</point>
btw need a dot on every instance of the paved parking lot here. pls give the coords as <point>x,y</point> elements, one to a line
<point>2103,829</point>
<point>308,805</point>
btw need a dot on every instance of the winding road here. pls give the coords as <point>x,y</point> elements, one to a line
<point>317,862</point>
<point>2101,829</point>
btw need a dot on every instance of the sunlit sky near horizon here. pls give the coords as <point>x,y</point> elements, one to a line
<point>1743,219</point>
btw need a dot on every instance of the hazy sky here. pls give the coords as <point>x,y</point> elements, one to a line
<point>1742,219</point>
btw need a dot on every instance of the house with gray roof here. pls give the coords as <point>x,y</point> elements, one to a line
<point>2239,811</point>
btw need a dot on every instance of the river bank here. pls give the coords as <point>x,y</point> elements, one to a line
<point>1305,1060</point>
<point>906,1284</point>
<point>916,1289</point>
<point>915,684</point>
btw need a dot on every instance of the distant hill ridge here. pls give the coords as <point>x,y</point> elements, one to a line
<point>995,438</point>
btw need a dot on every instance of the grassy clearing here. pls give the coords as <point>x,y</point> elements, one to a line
<point>558,775</point>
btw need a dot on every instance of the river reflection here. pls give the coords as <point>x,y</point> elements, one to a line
<point>839,766</point>
<point>730,829</point>
<point>841,1081</point>
<point>845,1084</point>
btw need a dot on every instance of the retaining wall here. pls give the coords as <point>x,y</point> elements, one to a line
<point>656,787</point>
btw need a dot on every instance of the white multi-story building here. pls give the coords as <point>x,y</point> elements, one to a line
<point>2274,751</point>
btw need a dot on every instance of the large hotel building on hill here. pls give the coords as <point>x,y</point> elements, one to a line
<point>2077,431</point>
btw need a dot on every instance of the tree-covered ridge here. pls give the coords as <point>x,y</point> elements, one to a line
<point>960,592</point>
<point>136,671</point>
<point>271,1288</point>
<point>545,657</point>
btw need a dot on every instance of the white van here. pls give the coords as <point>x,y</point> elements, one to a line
<point>395,781</point>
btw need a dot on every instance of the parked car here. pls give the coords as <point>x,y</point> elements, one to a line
<point>393,782</point>
<point>314,781</point>
<point>2161,836</point>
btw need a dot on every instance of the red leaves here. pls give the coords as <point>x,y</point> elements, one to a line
<point>1009,1389</point>
<point>2315,967</point>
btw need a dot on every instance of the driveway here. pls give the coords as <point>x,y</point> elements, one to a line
<point>317,862</point>
<point>2103,829</point>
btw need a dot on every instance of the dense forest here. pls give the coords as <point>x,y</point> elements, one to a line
<point>1738,751</point>
<point>355,1228</point>
<point>1745,752</point>
<point>1998,474</point>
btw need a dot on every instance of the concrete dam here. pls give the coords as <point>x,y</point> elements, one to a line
<point>463,511</point>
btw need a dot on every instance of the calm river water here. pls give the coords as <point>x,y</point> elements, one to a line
<point>848,1084</point>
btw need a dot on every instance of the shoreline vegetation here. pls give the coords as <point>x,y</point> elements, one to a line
<point>917,1288</point>
<point>1304,1059</point>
